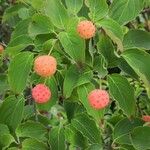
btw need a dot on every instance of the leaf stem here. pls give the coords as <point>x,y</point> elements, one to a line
<point>52,48</point>
<point>100,83</point>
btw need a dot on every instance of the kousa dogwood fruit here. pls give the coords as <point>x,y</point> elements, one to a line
<point>1,49</point>
<point>41,93</point>
<point>45,65</point>
<point>98,99</point>
<point>146,118</point>
<point>86,29</point>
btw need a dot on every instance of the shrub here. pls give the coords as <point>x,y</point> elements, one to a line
<point>75,74</point>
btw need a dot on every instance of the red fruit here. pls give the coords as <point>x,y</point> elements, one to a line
<point>98,99</point>
<point>86,29</point>
<point>1,48</point>
<point>146,118</point>
<point>45,65</point>
<point>41,93</point>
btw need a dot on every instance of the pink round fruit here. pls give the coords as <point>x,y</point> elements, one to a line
<point>146,118</point>
<point>98,99</point>
<point>1,49</point>
<point>45,65</point>
<point>86,29</point>
<point>41,93</point>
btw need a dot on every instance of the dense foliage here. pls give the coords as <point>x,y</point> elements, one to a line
<point>57,114</point>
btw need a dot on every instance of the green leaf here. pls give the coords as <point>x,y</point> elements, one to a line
<point>52,84</point>
<point>5,137</point>
<point>100,65</point>
<point>18,44</point>
<point>57,138</point>
<point>127,147</point>
<point>88,128</point>
<point>33,144</point>
<point>71,78</point>
<point>55,10</point>
<point>73,45</point>
<point>107,49</point>
<point>74,78</point>
<point>83,92</point>
<point>85,76</point>
<point>95,147</point>
<point>141,138</point>
<point>4,129</point>
<point>28,112</point>
<point>124,139</point>
<point>139,61</point>
<point>3,83</point>
<point>40,24</point>
<point>72,109</point>
<point>49,44</point>
<point>113,30</point>
<point>6,140</point>
<point>12,148</point>
<point>11,112</point>
<point>115,119</point>
<point>137,39</point>
<point>147,3</point>
<point>74,6</point>
<point>126,68</point>
<point>75,137</point>
<point>21,29</point>
<point>19,70</point>
<point>123,93</point>
<point>37,4</point>
<point>72,24</point>
<point>31,129</point>
<point>23,13</point>
<point>22,39</point>
<point>11,12</point>
<point>40,40</point>
<point>124,11</point>
<point>125,126</point>
<point>98,9</point>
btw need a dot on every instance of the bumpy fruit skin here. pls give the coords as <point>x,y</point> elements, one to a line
<point>45,65</point>
<point>1,49</point>
<point>86,29</point>
<point>41,93</point>
<point>98,99</point>
<point>146,118</point>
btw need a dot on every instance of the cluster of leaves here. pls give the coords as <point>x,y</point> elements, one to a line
<point>116,59</point>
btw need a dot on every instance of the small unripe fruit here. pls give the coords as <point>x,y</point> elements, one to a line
<point>86,29</point>
<point>146,118</point>
<point>98,99</point>
<point>1,49</point>
<point>41,93</point>
<point>45,65</point>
